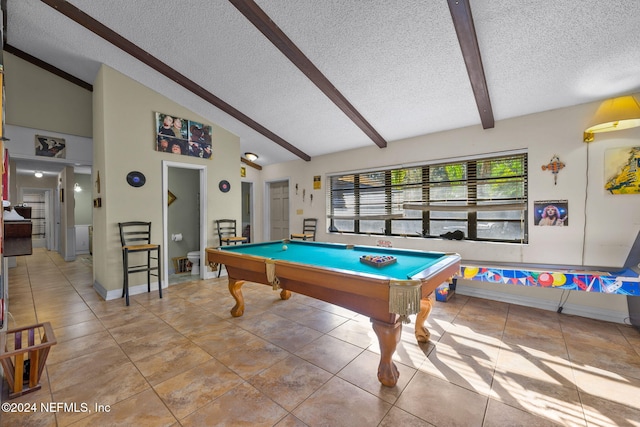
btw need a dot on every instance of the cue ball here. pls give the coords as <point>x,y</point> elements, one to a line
<point>285,247</point>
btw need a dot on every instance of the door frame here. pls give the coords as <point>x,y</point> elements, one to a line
<point>166,164</point>
<point>267,209</point>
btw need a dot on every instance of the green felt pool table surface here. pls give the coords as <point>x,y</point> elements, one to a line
<point>342,257</point>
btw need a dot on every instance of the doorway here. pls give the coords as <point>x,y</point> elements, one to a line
<point>184,217</point>
<point>278,209</point>
<point>247,211</point>
<point>44,231</point>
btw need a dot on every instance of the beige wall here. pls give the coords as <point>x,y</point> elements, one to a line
<point>124,141</point>
<point>41,100</point>
<point>602,226</point>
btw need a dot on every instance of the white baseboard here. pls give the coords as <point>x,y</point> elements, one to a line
<point>117,293</point>
<point>97,286</point>
<point>212,274</point>
<point>544,304</point>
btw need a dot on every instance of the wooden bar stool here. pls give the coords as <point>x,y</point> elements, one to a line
<point>227,234</point>
<point>135,237</point>
<point>308,230</point>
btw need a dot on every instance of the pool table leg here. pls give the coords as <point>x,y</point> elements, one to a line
<point>388,337</point>
<point>422,333</point>
<point>236,292</point>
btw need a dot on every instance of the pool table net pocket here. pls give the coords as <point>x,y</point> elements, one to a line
<point>270,266</point>
<point>404,298</point>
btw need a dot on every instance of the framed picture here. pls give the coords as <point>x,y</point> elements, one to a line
<point>551,212</point>
<point>48,146</point>
<point>177,135</point>
<point>622,170</point>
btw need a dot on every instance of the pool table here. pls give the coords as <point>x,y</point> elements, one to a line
<point>335,273</point>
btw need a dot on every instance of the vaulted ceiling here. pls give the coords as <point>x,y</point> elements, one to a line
<point>302,78</point>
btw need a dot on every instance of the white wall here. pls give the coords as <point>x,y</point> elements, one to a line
<point>602,226</point>
<point>82,239</point>
<point>21,145</point>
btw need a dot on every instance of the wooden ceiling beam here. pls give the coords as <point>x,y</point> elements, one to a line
<point>280,40</point>
<point>466,31</point>
<point>250,163</point>
<point>78,16</point>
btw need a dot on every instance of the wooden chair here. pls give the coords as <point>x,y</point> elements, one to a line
<point>308,230</point>
<point>227,234</point>
<point>135,237</point>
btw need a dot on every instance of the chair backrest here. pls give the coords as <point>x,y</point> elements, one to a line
<point>135,233</point>
<point>309,226</point>
<point>226,228</point>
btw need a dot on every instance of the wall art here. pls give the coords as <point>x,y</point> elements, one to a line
<point>48,146</point>
<point>181,136</point>
<point>622,170</point>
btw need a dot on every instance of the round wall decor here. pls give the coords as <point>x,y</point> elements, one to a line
<point>136,179</point>
<point>224,186</point>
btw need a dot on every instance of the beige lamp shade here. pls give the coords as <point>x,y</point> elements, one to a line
<point>614,114</point>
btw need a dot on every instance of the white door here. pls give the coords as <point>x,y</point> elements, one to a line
<point>279,210</point>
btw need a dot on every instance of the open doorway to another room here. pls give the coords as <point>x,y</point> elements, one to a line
<point>184,217</point>
<point>44,232</point>
<point>83,214</point>
<point>247,211</point>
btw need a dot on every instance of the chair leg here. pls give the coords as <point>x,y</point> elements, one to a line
<point>126,276</point>
<point>148,271</point>
<point>159,273</point>
<point>124,270</point>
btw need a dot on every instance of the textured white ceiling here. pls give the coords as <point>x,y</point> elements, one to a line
<point>398,62</point>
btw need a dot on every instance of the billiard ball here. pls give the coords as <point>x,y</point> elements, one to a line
<point>285,247</point>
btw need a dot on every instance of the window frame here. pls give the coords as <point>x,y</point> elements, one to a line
<point>471,212</point>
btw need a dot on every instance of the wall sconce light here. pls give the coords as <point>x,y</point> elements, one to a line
<point>252,157</point>
<point>38,174</point>
<point>614,114</point>
<point>77,188</point>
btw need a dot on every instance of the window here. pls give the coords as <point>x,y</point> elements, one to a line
<point>484,198</point>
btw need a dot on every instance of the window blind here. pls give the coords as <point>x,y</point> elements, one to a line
<point>469,192</point>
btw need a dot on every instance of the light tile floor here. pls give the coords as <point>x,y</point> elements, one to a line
<point>184,360</point>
